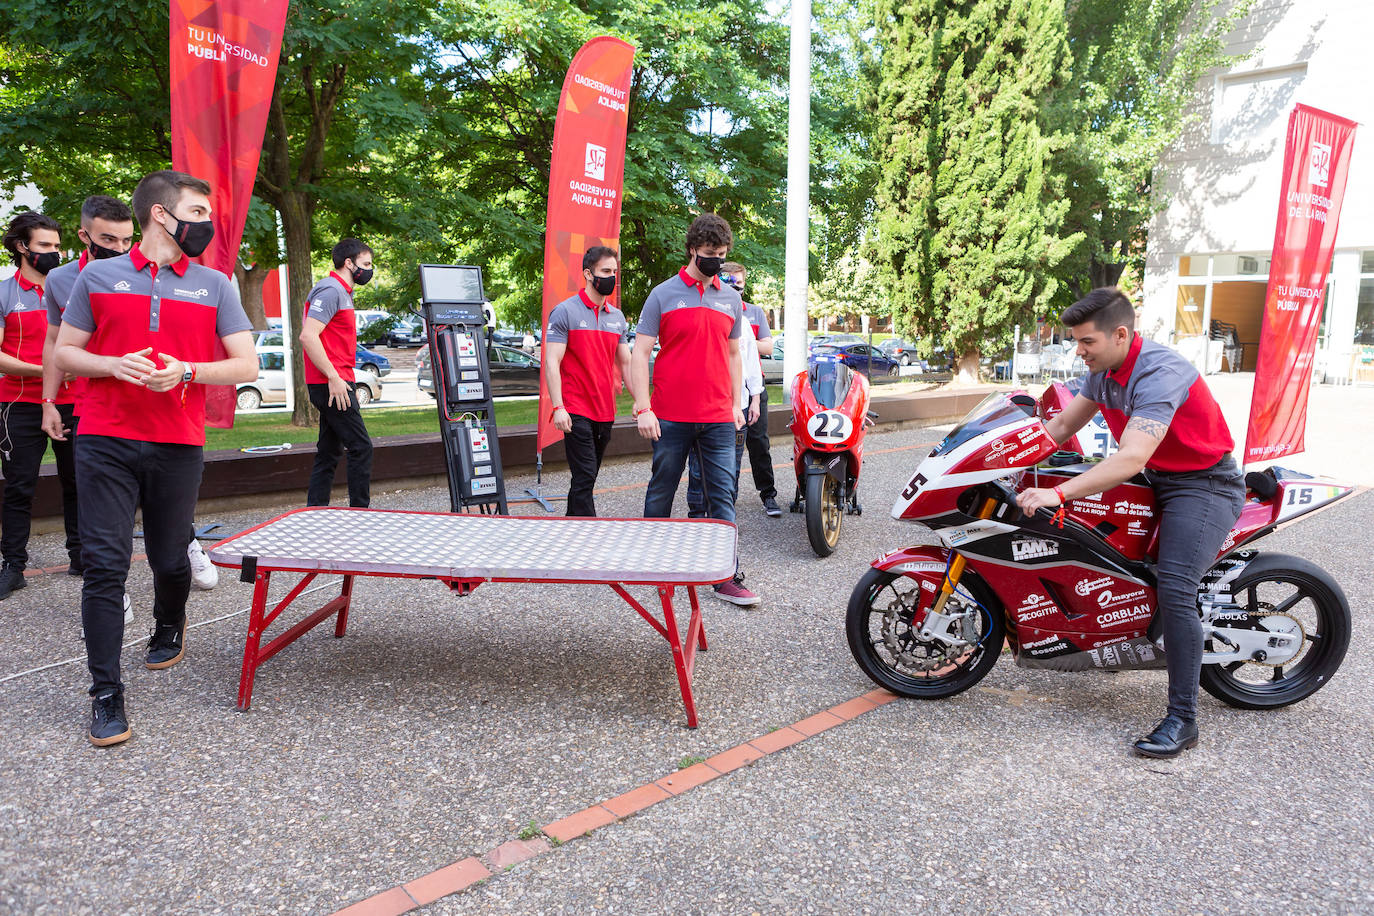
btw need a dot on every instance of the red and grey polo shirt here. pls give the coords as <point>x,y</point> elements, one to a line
<point>331,302</point>
<point>55,294</point>
<point>129,303</point>
<point>695,323</point>
<point>593,335</point>
<point>1158,383</point>
<point>26,327</point>
<point>758,321</point>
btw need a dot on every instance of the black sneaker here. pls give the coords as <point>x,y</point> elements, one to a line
<point>166,646</point>
<point>76,567</point>
<point>109,724</point>
<point>770,507</point>
<point>11,580</point>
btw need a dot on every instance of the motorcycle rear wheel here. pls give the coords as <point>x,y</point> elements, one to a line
<point>873,632</point>
<point>824,514</point>
<point>1301,590</point>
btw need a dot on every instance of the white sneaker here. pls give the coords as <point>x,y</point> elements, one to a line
<point>204,575</point>
<point>128,611</point>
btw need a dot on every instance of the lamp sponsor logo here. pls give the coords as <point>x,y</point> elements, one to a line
<point>1134,614</point>
<point>1033,548</point>
<point>595,164</point>
<point>1086,587</point>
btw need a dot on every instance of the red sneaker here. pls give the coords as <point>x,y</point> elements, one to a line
<point>735,593</point>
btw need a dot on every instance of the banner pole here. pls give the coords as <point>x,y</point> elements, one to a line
<point>284,296</point>
<point>534,493</point>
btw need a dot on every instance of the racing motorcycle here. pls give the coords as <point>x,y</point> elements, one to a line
<point>829,416</point>
<point>1074,589</point>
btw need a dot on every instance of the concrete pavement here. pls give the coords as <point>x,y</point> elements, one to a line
<point>440,728</point>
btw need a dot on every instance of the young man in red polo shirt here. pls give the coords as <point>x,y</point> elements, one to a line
<point>1169,426</point>
<point>32,240</point>
<point>329,336</point>
<point>697,378</point>
<point>144,329</point>
<point>583,344</point>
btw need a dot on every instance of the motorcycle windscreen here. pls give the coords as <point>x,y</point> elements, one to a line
<point>830,380</point>
<point>996,411</point>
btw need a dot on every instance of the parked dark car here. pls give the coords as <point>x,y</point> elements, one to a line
<point>861,358</point>
<point>900,350</point>
<point>513,372</point>
<point>408,332</point>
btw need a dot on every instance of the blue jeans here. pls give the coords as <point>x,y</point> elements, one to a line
<point>696,499</point>
<point>714,447</point>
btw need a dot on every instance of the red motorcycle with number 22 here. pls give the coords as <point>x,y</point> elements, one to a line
<point>829,415</point>
<point>1075,590</point>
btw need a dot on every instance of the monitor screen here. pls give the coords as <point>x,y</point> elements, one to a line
<point>451,283</point>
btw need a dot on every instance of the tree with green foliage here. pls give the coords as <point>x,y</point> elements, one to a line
<point>968,228</point>
<point>1136,70</point>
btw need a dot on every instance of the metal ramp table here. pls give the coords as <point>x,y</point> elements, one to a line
<point>464,551</point>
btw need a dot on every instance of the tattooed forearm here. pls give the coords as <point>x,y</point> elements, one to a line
<point>1152,428</point>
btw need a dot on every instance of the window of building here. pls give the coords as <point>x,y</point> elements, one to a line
<point>1254,105</point>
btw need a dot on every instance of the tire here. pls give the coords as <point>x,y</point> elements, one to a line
<point>372,369</point>
<point>1307,593</point>
<point>893,371</point>
<point>906,360</point>
<point>824,514</point>
<point>364,394</point>
<point>869,616</point>
<point>248,399</point>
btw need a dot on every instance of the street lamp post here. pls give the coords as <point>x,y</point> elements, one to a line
<point>798,194</point>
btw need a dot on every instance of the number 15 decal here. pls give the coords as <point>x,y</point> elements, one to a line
<point>830,425</point>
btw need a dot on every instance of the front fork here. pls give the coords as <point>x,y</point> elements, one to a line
<point>937,624</point>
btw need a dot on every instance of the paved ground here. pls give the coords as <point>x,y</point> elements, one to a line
<point>442,726</point>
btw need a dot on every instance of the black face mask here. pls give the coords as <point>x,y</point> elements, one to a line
<point>193,238</point>
<point>604,285</point>
<point>46,261</point>
<point>100,252</point>
<point>361,275</point>
<point>709,267</point>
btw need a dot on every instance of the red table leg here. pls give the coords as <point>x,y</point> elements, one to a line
<point>250,646</point>
<point>347,595</point>
<point>682,657</point>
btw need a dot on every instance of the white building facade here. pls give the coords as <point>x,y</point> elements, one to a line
<point>1207,261</point>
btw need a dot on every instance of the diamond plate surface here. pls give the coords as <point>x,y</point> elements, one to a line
<point>488,547</point>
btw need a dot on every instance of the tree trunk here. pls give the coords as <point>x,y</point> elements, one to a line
<point>1105,274</point>
<point>296,212</point>
<point>967,371</point>
<point>250,291</point>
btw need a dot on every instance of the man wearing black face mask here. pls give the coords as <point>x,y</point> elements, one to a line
<point>583,345</point>
<point>32,240</point>
<point>148,330</point>
<point>329,336</point>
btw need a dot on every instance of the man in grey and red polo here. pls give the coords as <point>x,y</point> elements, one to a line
<point>584,344</point>
<point>697,378</point>
<point>1169,426</point>
<point>148,330</point>
<point>32,240</point>
<point>329,336</point>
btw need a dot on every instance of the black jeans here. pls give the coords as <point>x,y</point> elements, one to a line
<point>118,477</point>
<point>340,431</point>
<point>584,445</point>
<point>22,444</point>
<point>1196,512</point>
<point>760,458</point>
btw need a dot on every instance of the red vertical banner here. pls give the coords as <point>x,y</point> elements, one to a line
<point>1316,160</point>
<point>223,69</point>
<point>586,177</point>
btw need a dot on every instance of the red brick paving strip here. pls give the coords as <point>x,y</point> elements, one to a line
<point>466,872</point>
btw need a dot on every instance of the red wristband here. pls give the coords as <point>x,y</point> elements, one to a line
<point>1060,493</point>
<point>52,401</point>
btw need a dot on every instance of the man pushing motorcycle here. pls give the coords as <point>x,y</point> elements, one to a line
<point>1168,425</point>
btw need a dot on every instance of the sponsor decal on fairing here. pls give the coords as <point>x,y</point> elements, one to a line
<point>1133,614</point>
<point>1033,548</point>
<point>1086,587</point>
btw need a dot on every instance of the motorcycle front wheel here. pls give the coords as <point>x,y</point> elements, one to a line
<point>883,622</point>
<point>1302,592</point>
<point>823,513</point>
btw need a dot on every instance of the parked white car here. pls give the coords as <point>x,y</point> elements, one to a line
<point>270,386</point>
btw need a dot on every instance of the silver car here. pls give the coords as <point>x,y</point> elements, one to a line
<point>270,385</point>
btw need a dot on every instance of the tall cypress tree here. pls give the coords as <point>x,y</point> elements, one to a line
<point>968,221</point>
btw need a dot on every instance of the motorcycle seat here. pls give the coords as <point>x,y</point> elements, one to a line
<point>1263,484</point>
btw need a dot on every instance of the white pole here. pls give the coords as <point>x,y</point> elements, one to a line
<point>285,297</point>
<point>798,194</point>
